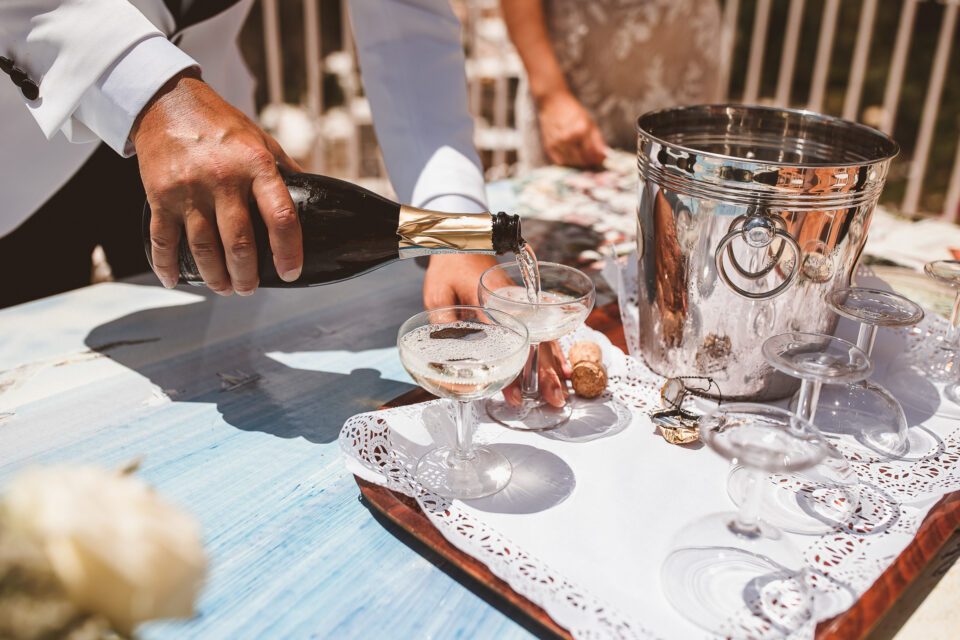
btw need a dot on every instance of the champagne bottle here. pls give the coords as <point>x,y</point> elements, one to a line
<point>349,231</point>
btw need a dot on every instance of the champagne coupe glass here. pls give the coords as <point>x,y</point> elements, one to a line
<point>866,410</point>
<point>735,574</point>
<point>948,272</point>
<point>463,353</point>
<point>566,299</point>
<point>828,494</point>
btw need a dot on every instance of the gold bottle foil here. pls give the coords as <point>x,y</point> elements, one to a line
<point>677,426</point>
<point>679,435</point>
<point>423,232</point>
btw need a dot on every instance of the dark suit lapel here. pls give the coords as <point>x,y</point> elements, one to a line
<point>174,7</point>
<point>199,11</point>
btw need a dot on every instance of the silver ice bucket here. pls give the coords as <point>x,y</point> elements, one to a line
<point>747,217</point>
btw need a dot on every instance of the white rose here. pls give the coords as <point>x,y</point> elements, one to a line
<point>119,549</point>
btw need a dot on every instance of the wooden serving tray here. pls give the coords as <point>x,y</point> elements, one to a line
<point>890,600</point>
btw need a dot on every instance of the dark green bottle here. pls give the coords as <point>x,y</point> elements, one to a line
<point>348,231</point>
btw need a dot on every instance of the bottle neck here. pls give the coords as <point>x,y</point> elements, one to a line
<point>506,233</point>
<point>422,232</point>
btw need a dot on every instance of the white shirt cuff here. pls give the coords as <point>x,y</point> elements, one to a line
<point>110,107</point>
<point>449,172</point>
<point>454,203</point>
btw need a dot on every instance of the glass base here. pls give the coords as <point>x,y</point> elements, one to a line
<point>736,585</point>
<point>933,355</point>
<point>866,412</point>
<point>803,503</point>
<point>441,472</point>
<point>533,414</point>
<point>952,392</point>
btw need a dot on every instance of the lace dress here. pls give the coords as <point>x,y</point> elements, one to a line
<point>623,58</point>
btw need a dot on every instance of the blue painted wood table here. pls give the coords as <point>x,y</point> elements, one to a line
<point>235,404</point>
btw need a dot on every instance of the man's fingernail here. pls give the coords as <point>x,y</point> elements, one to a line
<point>168,282</point>
<point>291,275</point>
<point>245,293</point>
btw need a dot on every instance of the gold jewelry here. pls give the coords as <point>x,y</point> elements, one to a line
<point>677,426</point>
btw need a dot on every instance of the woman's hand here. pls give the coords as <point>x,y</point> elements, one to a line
<point>570,136</point>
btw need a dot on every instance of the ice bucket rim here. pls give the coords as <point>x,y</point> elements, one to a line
<point>890,146</point>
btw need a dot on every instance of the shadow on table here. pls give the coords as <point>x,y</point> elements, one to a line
<point>182,349</point>
<point>541,480</point>
<point>592,420</point>
<point>919,398</point>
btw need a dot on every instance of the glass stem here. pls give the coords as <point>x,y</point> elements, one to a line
<point>531,380</point>
<point>953,338</point>
<point>464,446</point>
<point>866,337</point>
<point>807,399</point>
<point>747,522</point>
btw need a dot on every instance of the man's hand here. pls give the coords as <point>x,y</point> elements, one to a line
<point>554,371</point>
<point>201,160</point>
<point>570,136</point>
<point>454,279</point>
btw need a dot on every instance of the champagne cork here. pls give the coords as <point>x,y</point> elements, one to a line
<point>589,377</point>
<point>584,351</point>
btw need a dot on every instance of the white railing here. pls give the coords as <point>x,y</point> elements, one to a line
<point>493,69</point>
<point>931,105</point>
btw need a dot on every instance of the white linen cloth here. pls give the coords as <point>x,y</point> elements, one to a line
<point>911,244</point>
<point>591,511</point>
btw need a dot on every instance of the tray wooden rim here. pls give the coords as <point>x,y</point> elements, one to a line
<point>856,622</point>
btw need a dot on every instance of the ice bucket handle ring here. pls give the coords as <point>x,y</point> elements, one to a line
<point>755,275</point>
<point>758,230</point>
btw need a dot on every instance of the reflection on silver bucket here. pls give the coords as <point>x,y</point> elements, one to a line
<point>747,217</point>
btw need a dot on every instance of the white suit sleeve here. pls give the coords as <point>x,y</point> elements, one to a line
<point>72,49</point>
<point>412,65</point>
<point>110,107</point>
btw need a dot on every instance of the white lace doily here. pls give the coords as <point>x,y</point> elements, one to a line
<point>586,522</point>
<point>370,441</point>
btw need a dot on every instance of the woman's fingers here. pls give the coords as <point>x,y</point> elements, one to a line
<point>560,361</point>
<point>552,377</point>
<point>552,389</point>
<point>592,147</point>
<point>566,153</point>
<point>553,385</point>
<point>512,393</point>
